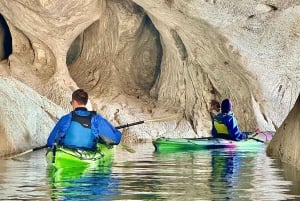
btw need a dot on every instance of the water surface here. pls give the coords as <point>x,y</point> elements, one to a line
<point>145,175</point>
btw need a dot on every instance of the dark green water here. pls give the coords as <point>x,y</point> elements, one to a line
<point>144,175</point>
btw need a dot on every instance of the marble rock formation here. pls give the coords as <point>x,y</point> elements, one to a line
<point>25,116</point>
<point>285,144</point>
<point>142,59</point>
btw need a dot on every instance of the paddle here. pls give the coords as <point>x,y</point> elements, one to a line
<point>118,127</point>
<point>258,140</point>
<point>28,151</point>
<point>268,135</point>
<point>149,120</point>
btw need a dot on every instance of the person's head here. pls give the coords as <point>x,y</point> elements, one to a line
<point>226,106</point>
<point>215,105</point>
<point>80,97</point>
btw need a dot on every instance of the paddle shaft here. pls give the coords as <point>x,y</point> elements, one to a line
<point>38,148</point>
<point>45,146</point>
<point>28,151</point>
<point>131,124</point>
<point>258,140</point>
<point>149,120</point>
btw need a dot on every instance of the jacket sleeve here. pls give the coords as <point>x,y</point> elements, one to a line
<point>105,130</point>
<point>234,130</point>
<point>59,130</point>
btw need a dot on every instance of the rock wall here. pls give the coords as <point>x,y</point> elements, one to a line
<point>25,117</point>
<point>141,59</point>
<point>287,139</point>
<point>244,48</point>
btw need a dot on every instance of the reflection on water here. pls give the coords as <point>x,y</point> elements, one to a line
<point>82,184</point>
<point>144,175</point>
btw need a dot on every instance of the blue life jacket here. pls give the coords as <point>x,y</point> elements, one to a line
<point>79,134</point>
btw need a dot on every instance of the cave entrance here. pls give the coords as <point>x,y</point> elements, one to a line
<point>75,49</point>
<point>5,39</point>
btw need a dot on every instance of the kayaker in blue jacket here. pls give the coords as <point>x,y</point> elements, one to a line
<point>82,128</point>
<point>224,125</point>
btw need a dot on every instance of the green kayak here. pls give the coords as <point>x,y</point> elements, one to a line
<point>61,157</point>
<point>255,142</point>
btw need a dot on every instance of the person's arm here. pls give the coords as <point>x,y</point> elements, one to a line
<point>105,130</point>
<point>234,130</point>
<point>58,130</point>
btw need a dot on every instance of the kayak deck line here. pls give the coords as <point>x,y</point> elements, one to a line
<point>83,154</point>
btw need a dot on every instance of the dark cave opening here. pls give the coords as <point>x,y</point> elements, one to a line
<point>5,39</point>
<point>75,49</point>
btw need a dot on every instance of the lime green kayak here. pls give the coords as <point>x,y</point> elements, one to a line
<point>258,141</point>
<point>61,157</point>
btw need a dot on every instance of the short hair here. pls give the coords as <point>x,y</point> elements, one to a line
<point>80,96</point>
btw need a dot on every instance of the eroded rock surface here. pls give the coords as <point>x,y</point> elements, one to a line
<point>286,141</point>
<point>25,117</point>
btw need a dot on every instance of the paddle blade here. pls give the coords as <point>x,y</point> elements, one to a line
<point>164,118</point>
<point>26,152</point>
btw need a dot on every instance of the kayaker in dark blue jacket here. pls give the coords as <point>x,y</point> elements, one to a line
<point>224,125</point>
<point>82,128</point>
